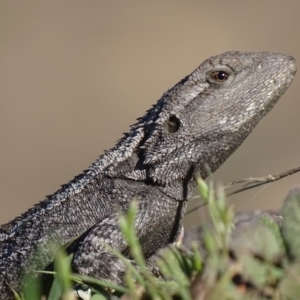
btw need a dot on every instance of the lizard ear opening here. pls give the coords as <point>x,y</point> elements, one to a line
<point>172,124</point>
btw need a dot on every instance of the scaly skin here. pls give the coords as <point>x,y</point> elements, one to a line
<point>201,121</point>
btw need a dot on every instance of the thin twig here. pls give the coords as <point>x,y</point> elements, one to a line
<point>251,183</point>
<point>256,182</point>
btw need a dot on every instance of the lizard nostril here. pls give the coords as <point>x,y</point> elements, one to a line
<point>172,125</point>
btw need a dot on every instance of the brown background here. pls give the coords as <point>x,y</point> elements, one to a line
<point>75,74</point>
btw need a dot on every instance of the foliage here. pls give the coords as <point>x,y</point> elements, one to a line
<point>259,259</point>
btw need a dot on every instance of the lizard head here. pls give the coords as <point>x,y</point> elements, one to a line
<point>205,117</point>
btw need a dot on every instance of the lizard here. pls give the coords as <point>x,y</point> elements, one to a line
<point>197,123</point>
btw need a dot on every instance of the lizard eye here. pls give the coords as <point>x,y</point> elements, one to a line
<point>220,76</point>
<point>172,125</point>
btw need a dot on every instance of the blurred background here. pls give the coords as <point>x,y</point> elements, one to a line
<point>75,74</point>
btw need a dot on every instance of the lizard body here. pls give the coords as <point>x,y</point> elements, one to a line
<point>199,122</point>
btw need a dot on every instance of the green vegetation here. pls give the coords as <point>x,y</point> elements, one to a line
<point>260,260</point>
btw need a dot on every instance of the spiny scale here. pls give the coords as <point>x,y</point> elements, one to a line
<point>153,163</point>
